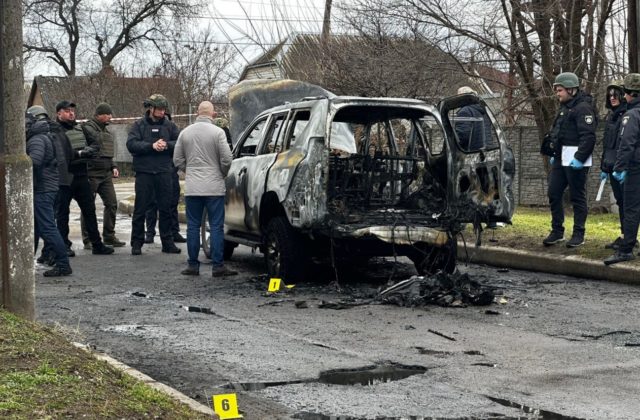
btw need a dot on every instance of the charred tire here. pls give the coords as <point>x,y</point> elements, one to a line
<point>430,260</point>
<point>205,242</point>
<point>284,252</point>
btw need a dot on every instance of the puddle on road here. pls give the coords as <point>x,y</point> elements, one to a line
<point>370,375</point>
<point>257,386</point>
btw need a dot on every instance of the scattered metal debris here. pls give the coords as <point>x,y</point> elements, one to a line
<point>491,312</point>
<point>441,289</point>
<point>140,294</point>
<point>198,309</point>
<point>484,364</point>
<point>632,344</point>
<point>422,350</point>
<point>441,335</point>
<point>473,353</point>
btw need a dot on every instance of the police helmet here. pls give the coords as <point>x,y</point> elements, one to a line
<point>157,101</point>
<point>567,80</point>
<point>632,82</point>
<point>37,112</point>
<point>221,122</point>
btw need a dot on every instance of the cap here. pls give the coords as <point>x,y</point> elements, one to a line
<point>64,104</point>
<point>103,109</point>
<point>466,89</point>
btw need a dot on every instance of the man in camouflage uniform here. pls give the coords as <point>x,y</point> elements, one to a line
<point>627,170</point>
<point>101,172</point>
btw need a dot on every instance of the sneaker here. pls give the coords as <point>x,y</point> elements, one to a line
<point>102,249</point>
<point>58,271</point>
<point>575,241</point>
<point>87,245</point>
<point>619,257</point>
<point>615,244</point>
<point>179,238</point>
<point>553,238</point>
<point>191,271</point>
<point>114,242</point>
<point>148,239</point>
<point>171,249</point>
<point>136,249</point>
<point>71,252</point>
<point>43,258</point>
<point>222,272</point>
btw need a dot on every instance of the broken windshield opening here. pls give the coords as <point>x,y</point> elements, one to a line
<point>378,159</point>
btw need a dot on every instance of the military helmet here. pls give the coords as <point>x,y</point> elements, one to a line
<point>615,84</point>
<point>567,80</point>
<point>221,122</point>
<point>38,112</point>
<point>157,101</point>
<point>632,82</point>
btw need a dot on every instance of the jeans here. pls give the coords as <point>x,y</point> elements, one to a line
<point>215,209</point>
<point>45,227</point>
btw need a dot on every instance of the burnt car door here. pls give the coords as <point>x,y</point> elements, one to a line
<point>481,166</point>
<point>253,157</point>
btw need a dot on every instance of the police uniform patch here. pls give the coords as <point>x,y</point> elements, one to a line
<point>624,120</point>
<point>588,119</point>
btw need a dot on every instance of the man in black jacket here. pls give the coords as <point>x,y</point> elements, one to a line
<point>627,169</point>
<point>617,105</point>
<point>151,142</point>
<point>41,150</point>
<point>574,136</point>
<point>79,189</point>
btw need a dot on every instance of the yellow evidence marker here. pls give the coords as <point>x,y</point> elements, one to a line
<point>274,285</point>
<point>226,406</point>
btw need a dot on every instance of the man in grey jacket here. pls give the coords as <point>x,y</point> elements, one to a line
<point>203,154</point>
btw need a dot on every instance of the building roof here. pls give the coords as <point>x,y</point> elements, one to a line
<point>125,94</point>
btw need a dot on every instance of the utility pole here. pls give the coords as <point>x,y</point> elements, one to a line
<point>326,21</point>
<point>633,20</point>
<point>16,186</point>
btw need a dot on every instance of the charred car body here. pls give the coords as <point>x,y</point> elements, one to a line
<point>350,177</point>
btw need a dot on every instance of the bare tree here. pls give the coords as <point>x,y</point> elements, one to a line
<point>63,29</point>
<point>538,39</point>
<point>204,68</point>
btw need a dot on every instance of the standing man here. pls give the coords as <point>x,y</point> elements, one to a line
<point>203,154</point>
<point>151,141</point>
<point>41,150</point>
<point>68,130</point>
<point>627,169</point>
<point>617,105</point>
<point>102,170</point>
<point>574,136</point>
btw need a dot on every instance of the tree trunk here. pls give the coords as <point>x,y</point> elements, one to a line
<point>16,198</point>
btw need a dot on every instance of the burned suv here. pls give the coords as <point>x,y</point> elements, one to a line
<point>350,178</point>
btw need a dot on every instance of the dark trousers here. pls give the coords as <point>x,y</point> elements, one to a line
<point>151,215</point>
<point>631,187</point>
<point>150,188</point>
<point>618,193</point>
<point>576,179</point>
<point>80,190</point>
<point>102,185</point>
<point>45,227</point>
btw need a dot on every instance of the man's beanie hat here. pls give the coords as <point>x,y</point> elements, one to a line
<point>103,109</point>
<point>64,105</point>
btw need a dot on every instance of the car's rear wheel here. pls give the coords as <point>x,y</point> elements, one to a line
<point>429,260</point>
<point>205,240</point>
<point>284,251</point>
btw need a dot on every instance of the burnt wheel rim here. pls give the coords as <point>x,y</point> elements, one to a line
<point>273,254</point>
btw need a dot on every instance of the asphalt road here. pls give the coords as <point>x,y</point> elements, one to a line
<point>552,347</point>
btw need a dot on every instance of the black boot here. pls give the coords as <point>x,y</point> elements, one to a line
<point>170,248</point>
<point>101,249</point>
<point>58,271</point>
<point>619,256</point>
<point>577,239</point>
<point>553,238</point>
<point>177,238</point>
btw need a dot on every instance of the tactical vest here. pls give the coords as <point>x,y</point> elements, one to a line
<point>76,138</point>
<point>105,139</point>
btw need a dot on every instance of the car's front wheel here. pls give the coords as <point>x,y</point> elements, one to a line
<point>284,251</point>
<point>429,260</point>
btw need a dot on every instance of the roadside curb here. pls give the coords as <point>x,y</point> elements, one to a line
<point>531,261</point>
<point>159,386</point>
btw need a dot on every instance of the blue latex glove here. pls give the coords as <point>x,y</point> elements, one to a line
<point>551,160</point>
<point>603,176</point>
<point>576,164</point>
<point>620,176</point>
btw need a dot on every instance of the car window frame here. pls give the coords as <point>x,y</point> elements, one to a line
<point>266,137</point>
<point>246,136</point>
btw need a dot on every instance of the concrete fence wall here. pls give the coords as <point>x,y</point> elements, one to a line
<point>530,186</point>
